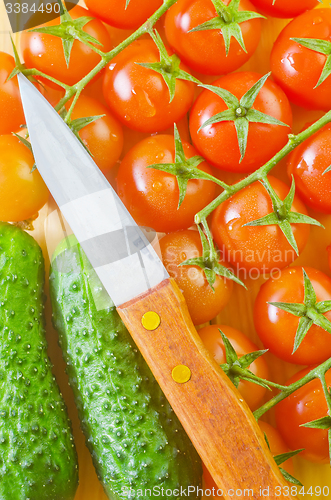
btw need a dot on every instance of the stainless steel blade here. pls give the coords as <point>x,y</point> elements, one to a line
<point>118,250</point>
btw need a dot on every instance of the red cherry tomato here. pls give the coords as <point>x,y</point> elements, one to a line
<point>104,137</point>
<point>277,328</point>
<point>151,195</point>
<point>204,51</point>
<point>212,339</point>
<point>329,254</point>
<point>138,96</point>
<point>303,406</point>
<point>218,143</point>
<point>11,110</point>
<point>297,69</point>
<point>260,249</point>
<point>45,52</point>
<point>307,163</point>
<point>203,304</point>
<point>114,12</point>
<point>22,192</point>
<point>284,8</point>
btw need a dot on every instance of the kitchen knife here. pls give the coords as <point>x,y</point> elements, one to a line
<point>211,410</point>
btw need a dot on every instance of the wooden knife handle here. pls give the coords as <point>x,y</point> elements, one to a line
<point>211,410</point>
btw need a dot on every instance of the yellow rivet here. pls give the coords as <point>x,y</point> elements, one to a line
<point>151,320</point>
<point>181,374</point>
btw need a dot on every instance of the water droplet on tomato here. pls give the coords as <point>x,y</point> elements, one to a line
<point>157,186</point>
<point>145,104</point>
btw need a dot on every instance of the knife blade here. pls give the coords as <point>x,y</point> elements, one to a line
<point>217,420</point>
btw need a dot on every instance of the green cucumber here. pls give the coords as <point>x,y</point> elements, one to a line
<point>137,444</point>
<point>37,455</point>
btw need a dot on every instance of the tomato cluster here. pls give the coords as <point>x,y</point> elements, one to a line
<point>230,124</point>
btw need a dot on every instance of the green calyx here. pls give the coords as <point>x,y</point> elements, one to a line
<point>237,368</point>
<point>241,112</point>
<point>323,423</point>
<point>322,47</point>
<point>228,21</point>
<point>282,214</point>
<point>69,30</point>
<point>310,312</point>
<point>184,168</point>
<point>77,125</point>
<point>280,459</point>
<point>320,423</point>
<point>19,67</point>
<point>168,67</point>
<point>209,261</point>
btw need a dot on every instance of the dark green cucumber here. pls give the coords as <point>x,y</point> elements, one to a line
<point>37,456</point>
<point>136,440</point>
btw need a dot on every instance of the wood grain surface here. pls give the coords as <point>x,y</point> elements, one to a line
<point>237,314</point>
<point>217,420</point>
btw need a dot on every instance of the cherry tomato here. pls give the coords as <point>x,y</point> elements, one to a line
<point>45,52</point>
<point>11,110</point>
<point>260,249</point>
<point>203,304</point>
<point>218,143</point>
<point>303,406</point>
<point>151,195</point>
<point>277,328</point>
<point>297,69</point>
<point>204,51</point>
<point>277,444</point>
<point>138,96</point>
<point>284,8</point>
<point>211,337</point>
<point>329,255</point>
<point>308,163</point>
<point>114,12</point>
<point>104,137</point>
<point>22,193</point>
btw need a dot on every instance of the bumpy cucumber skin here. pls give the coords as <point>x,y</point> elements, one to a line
<point>135,439</point>
<point>37,456</point>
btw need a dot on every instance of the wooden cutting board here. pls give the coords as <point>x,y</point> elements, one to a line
<point>309,474</point>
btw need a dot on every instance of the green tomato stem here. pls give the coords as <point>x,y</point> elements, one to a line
<point>108,56</point>
<point>241,372</point>
<point>212,250</point>
<point>326,392</point>
<point>36,72</point>
<point>318,372</point>
<point>262,172</point>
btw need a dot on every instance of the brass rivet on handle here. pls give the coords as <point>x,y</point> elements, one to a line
<point>181,374</point>
<point>151,320</point>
